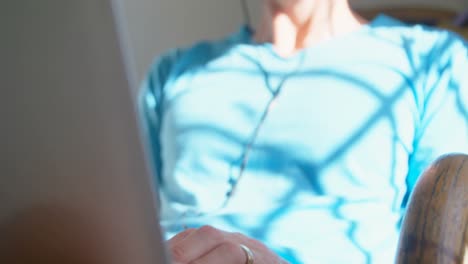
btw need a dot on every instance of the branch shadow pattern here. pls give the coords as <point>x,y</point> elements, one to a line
<point>311,169</point>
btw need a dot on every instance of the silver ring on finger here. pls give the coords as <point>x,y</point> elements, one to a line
<point>248,253</point>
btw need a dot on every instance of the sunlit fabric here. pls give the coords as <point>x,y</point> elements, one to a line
<point>357,120</point>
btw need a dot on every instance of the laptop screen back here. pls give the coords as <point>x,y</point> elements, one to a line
<point>74,185</point>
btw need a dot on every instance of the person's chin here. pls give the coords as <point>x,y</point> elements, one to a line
<point>285,3</point>
<point>288,5</point>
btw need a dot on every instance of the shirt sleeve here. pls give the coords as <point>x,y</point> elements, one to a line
<point>443,123</point>
<point>151,107</point>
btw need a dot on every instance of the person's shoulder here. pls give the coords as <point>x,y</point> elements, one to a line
<point>416,38</point>
<point>181,59</point>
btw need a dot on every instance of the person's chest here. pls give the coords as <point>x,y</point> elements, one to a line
<point>322,101</point>
<point>341,123</point>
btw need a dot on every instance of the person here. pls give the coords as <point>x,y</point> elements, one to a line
<point>300,140</point>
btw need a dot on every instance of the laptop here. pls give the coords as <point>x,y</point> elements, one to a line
<point>75,186</point>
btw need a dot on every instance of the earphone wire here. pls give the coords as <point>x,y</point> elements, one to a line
<point>249,146</point>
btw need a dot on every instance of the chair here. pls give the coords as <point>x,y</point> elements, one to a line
<point>434,230</point>
<point>417,14</point>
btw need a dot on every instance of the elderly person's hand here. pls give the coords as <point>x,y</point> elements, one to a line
<point>208,245</point>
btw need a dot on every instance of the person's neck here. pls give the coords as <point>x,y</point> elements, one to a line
<point>288,34</point>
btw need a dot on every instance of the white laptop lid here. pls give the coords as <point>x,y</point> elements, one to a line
<point>74,186</point>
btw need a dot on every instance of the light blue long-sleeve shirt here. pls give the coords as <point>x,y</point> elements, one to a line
<point>357,120</point>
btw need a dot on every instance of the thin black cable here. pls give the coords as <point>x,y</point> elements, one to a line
<point>234,182</point>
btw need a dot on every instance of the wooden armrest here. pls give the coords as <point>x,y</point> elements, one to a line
<point>435,224</point>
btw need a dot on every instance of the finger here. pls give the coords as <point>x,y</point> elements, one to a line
<point>180,236</point>
<point>197,244</point>
<point>226,253</point>
<point>262,253</point>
